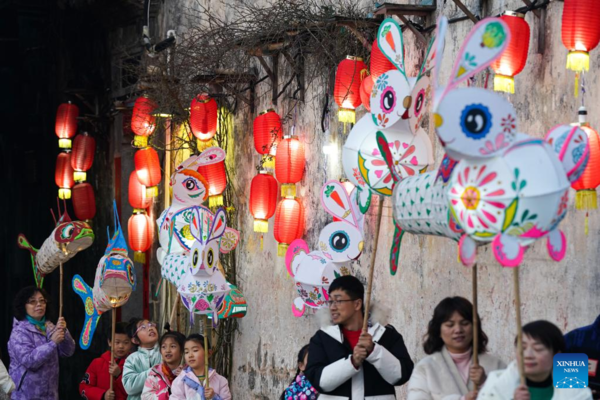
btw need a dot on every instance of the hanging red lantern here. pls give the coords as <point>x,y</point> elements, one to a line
<point>263,200</point>
<point>349,76</point>
<point>514,57</point>
<point>366,87</point>
<point>140,235</point>
<point>63,175</point>
<point>203,117</point>
<point>82,158</point>
<point>289,223</point>
<point>137,193</point>
<point>66,124</point>
<point>84,201</point>
<point>267,132</point>
<point>379,63</point>
<point>586,197</point>
<point>580,31</point>
<point>216,176</point>
<point>147,168</point>
<point>289,165</point>
<point>143,122</point>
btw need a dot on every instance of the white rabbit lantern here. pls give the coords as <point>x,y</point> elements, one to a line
<point>340,242</point>
<point>508,188</point>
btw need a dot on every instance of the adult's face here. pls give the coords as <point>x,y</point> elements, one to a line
<point>537,359</point>
<point>457,333</point>
<point>343,307</point>
<point>36,306</point>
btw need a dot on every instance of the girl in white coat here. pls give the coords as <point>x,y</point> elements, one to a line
<point>448,373</point>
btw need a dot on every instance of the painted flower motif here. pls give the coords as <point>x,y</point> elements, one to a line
<point>564,201</point>
<point>405,162</point>
<point>358,176</point>
<point>479,199</point>
<point>382,81</point>
<point>201,305</point>
<point>508,124</point>
<point>494,146</point>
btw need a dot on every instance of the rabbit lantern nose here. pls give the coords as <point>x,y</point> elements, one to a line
<point>361,245</point>
<point>438,120</point>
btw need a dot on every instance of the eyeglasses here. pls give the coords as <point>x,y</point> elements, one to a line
<point>145,326</point>
<point>337,302</point>
<point>42,302</point>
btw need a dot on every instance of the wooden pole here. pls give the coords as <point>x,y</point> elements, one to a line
<point>519,329</point>
<point>370,281</point>
<point>60,294</point>
<point>206,350</point>
<point>112,342</point>
<point>173,310</point>
<point>475,319</point>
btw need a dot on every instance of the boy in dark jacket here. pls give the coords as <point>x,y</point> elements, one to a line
<point>95,384</point>
<point>346,363</point>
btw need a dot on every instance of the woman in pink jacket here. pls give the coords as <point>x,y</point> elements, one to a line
<point>161,376</point>
<point>190,385</point>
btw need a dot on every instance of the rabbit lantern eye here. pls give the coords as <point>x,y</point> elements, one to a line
<point>388,100</point>
<point>210,257</point>
<point>339,241</point>
<point>476,121</point>
<point>195,258</point>
<point>419,101</point>
<point>190,184</point>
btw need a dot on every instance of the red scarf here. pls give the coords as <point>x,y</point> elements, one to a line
<point>168,373</point>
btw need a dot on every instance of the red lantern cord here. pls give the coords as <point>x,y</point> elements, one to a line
<point>84,201</point>
<point>66,124</point>
<point>82,158</point>
<point>203,117</point>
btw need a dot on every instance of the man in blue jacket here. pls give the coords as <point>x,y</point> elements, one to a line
<point>586,340</point>
<point>346,363</point>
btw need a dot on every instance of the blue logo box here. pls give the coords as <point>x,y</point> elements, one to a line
<point>570,371</point>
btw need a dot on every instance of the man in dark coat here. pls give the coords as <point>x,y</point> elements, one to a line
<point>586,340</point>
<point>346,363</point>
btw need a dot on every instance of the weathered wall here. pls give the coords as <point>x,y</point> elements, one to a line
<point>564,293</point>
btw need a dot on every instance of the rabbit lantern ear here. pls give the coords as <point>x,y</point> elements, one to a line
<point>389,40</point>
<point>337,202</point>
<point>219,225</point>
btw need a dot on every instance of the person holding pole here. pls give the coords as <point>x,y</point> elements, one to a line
<point>345,360</point>
<point>35,346</point>
<point>542,340</point>
<point>450,372</point>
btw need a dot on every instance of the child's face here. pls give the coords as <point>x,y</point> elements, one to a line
<point>147,333</point>
<point>122,345</point>
<point>194,354</point>
<point>170,351</point>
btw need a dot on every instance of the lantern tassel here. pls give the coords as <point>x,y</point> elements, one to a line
<point>347,115</point>
<point>64,194</point>
<point>576,89</point>
<point>261,242</point>
<point>587,223</point>
<point>215,201</point>
<point>282,249</point>
<point>586,199</point>
<point>139,257</point>
<point>578,61</point>
<point>503,83</point>
<point>261,225</point>
<point>140,142</point>
<point>152,191</point>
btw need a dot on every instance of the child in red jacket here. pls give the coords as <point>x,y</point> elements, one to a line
<point>95,384</point>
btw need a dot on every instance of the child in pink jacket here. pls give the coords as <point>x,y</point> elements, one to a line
<point>161,376</point>
<point>190,384</point>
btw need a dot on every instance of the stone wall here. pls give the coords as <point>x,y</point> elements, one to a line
<point>564,293</point>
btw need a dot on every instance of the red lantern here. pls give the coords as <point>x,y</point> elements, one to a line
<point>84,147</point>
<point>263,200</point>
<point>216,176</point>
<point>267,132</point>
<point>586,185</point>
<point>84,201</point>
<point>514,57</point>
<point>140,234</point>
<point>379,63</point>
<point>289,165</point>
<point>147,168</point>
<point>137,193</point>
<point>63,175</point>
<point>66,124</point>
<point>580,31</point>
<point>203,117</point>
<point>366,87</point>
<point>349,76</point>
<point>289,224</point>
<point>143,122</point>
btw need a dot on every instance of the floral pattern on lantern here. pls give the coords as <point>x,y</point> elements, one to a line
<point>289,223</point>
<point>143,122</point>
<point>580,31</point>
<point>63,175</point>
<point>84,201</point>
<point>66,124</point>
<point>349,76</point>
<point>263,200</point>
<point>147,168</point>
<point>82,158</point>
<point>203,117</point>
<point>514,57</point>
<point>289,165</point>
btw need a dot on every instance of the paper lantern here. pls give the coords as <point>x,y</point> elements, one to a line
<point>139,229</point>
<point>84,201</point>
<point>289,165</point>
<point>143,122</point>
<point>366,87</point>
<point>137,193</point>
<point>216,176</point>
<point>349,75</point>
<point>267,132</point>
<point>63,175</point>
<point>580,31</point>
<point>82,157</point>
<point>263,200</point>
<point>514,57</point>
<point>203,117</point>
<point>66,124</point>
<point>289,223</point>
<point>379,62</point>
<point>147,168</point>
<point>586,198</point>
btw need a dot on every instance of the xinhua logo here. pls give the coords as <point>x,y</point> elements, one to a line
<point>570,371</point>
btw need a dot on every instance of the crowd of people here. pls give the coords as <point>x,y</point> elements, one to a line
<point>342,361</point>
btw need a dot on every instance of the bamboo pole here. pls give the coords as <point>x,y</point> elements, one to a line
<point>112,342</point>
<point>60,300</point>
<point>370,281</point>
<point>173,310</point>
<point>519,328</point>
<point>206,329</point>
<point>475,319</point>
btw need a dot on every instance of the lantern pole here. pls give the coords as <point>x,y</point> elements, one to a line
<point>475,321</point>
<point>519,329</point>
<point>370,281</point>
<point>112,342</point>
<point>60,300</point>
<point>206,329</point>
